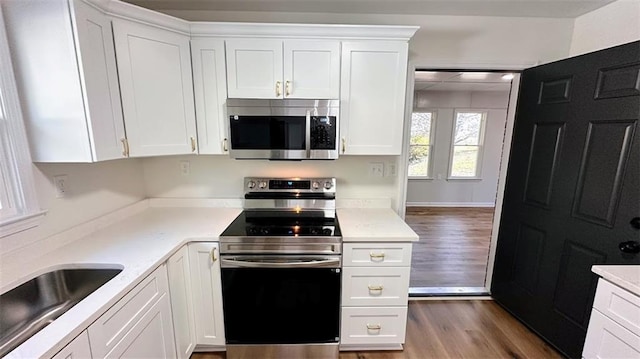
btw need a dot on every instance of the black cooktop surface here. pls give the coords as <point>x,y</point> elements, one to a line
<point>282,224</point>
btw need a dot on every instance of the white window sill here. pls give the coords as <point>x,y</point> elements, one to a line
<point>464,179</point>
<point>21,223</point>
<point>423,178</point>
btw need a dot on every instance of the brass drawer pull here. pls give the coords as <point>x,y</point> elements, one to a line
<point>377,288</point>
<point>374,327</point>
<point>287,88</point>
<point>278,93</point>
<point>376,255</point>
<point>193,144</point>
<point>225,146</point>
<point>125,147</point>
<point>213,255</point>
<point>344,144</point>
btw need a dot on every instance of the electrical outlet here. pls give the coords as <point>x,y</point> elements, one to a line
<point>185,168</point>
<point>390,169</point>
<point>61,185</point>
<point>376,169</point>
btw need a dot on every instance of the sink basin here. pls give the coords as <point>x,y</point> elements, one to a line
<point>36,303</point>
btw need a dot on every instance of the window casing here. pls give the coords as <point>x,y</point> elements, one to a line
<point>421,145</point>
<point>18,205</point>
<point>467,143</point>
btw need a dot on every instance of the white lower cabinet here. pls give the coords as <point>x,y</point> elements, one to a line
<point>181,302</point>
<point>207,293</point>
<point>614,327</point>
<point>139,325</point>
<point>373,325</point>
<point>375,287</point>
<point>78,349</point>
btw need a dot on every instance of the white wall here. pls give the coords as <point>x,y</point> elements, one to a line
<point>93,190</point>
<point>441,40</point>
<point>222,177</point>
<point>614,24</point>
<point>440,191</point>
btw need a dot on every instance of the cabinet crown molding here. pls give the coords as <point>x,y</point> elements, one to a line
<point>196,29</point>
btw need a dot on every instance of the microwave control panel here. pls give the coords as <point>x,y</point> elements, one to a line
<point>323,132</point>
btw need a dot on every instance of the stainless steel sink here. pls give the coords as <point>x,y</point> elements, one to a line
<point>36,303</point>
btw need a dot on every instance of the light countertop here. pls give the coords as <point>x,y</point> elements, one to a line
<point>373,225</point>
<point>624,276</point>
<point>139,244</point>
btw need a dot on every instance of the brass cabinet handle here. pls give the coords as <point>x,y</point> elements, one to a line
<point>344,144</point>
<point>287,88</point>
<point>193,144</point>
<point>213,255</point>
<point>376,255</point>
<point>225,147</point>
<point>125,147</point>
<point>278,93</point>
<point>374,326</point>
<point>377,288</point>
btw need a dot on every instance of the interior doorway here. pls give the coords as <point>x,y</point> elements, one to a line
<point>458,126</point>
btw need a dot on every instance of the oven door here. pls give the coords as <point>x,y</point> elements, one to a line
<point>275,300</point>
<point>269,137</point>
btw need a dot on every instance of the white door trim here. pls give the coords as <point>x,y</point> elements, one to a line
<point>506,147</point>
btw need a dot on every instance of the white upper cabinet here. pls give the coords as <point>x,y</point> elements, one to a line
<point>254,68</point>
<point>154,68</point>
<point>311,69</point>
<point>210,90</point>
<point>372,97</point>
<point>65,68</point>
<point>276,69</point>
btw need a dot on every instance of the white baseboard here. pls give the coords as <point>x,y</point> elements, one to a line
<point>451,204</point>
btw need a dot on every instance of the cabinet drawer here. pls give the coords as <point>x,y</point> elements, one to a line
<point>107,332</point>
<point>377,254</point>
<point>607,339</point>
<point>363,286</point>
<point>373,325</point>
<point>618,304</point>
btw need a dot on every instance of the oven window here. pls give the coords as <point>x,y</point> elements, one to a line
<point>268,132</point>
<point>281,306</point>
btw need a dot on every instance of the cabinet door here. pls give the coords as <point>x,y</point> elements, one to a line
<point>97,63</point>
<point>607,339</point>
<point>151,337</point>
<point>254,68</point>
<point>372,97</point>
<point>207,293</point>
<point>154,67</point>
<point>181,302</point>
<point>78,349</point>
<point>210,90</point>
<point>311,69</point>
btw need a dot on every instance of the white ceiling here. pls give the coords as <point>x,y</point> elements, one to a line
<point>518,8</point>
<point>460,81</point>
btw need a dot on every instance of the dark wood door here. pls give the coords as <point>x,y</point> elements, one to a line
<point>572,190</point>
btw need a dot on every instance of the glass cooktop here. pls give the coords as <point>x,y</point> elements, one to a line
<point>282,224</point>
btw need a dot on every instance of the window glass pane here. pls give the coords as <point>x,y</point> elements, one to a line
<point>421,128</point>
<point>468,125</point>
<point>465,161</point>
<point>419,160</point>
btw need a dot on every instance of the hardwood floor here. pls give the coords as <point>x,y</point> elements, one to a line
<point>454,246</point>
<point>456,329</point>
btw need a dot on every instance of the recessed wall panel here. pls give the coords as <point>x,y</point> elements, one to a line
<point>618,81</point>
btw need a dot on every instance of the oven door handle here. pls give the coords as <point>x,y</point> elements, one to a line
<point>324,263</point>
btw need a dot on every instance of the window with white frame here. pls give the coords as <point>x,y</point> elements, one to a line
<point>18,205</point>
<point>467,144</point>
<point>421,144</point>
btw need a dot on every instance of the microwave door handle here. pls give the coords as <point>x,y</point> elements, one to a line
<point>231,263</point>
<point>307,139</point>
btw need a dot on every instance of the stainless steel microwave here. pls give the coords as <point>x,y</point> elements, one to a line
<point>283,129</point>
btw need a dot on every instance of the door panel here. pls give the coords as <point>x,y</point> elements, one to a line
<point>573,185</point>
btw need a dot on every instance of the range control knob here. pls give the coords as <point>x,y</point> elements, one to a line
<point>315,185</point>
<point>263,184</point>
<point>251,184</point>
<point>328,185</point>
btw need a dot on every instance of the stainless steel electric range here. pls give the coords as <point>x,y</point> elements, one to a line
<point>281,276</point>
